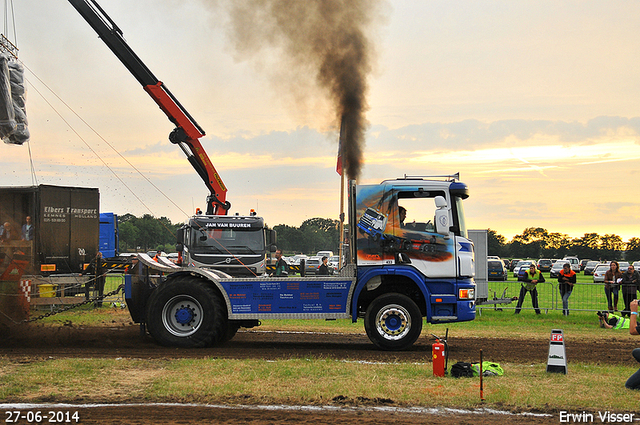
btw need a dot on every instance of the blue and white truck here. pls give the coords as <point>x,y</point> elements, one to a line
<point>391,287</point>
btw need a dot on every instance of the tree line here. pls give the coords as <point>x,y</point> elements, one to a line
<point>148,233</point>
<point>313,235</point>
<point>537,242</point>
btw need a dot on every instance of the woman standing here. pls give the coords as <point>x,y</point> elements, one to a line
<point>612,279</point>
<point>567,279</point>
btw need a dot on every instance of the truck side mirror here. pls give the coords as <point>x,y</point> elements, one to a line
<point>180,236</point>
<point>272,237</point>
<point>273,248</point>
<point>442,216</point>
<point>402,258</point>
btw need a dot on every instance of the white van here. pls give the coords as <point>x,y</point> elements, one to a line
<point>575,263</point>
<point>327,254</point>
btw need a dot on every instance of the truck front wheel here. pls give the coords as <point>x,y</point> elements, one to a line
<point>186,312</point>
<point>393,322</point>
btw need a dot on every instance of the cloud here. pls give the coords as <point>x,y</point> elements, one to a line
<point>475,134</point>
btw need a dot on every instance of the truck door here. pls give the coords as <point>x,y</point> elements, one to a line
<point>414,232</point>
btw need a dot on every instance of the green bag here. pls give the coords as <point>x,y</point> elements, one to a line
<point>488,369</point>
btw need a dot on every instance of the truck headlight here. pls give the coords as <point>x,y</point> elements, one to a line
<point>467,294</point>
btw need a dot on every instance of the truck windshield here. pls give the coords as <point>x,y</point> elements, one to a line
<point>459,216</point>
<point>247,241</point>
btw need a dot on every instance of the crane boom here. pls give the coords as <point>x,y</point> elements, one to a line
<point>187,133</point>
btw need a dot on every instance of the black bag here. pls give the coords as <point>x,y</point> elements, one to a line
<point>462,369</point>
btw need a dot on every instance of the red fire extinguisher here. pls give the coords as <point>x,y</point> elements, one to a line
<point>438,358</point>
<point>439,352</point>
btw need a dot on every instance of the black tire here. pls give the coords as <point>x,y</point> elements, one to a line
<point>186,312</point>
<point>230,332</point>
<point>393,322</point>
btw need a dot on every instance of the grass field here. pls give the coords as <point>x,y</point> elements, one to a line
<point>309,381</point>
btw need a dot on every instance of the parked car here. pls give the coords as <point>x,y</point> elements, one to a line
<point>496,270</point>
<point>575,263</point>
<point>557,266</point>
<point>583,263</point>
<point>173,257</point>
<point>522,264</point>
<point>544,264</point>
<point>311,265</point>
<point>334,262</point>
<point>507,264</point>
<point>624,265</point>
<point>514,263</point>
<point>492,257</point>
<point>599,271</point>
<point>589,267</point>
<point>295,260</point>
<point>324,254</point>
<point>636,265</point>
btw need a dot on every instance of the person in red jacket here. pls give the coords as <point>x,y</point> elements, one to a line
<point>567,279</point>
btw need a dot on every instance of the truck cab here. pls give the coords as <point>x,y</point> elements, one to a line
<point>236,245</point>
<point>427,256</point>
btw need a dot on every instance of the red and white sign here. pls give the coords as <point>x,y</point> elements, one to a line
<point>25,288</point>
<point>557,337</point>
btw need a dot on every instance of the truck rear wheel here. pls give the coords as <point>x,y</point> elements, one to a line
<point>393,322</point>
<point>230,331</point>
<point>186,312</point>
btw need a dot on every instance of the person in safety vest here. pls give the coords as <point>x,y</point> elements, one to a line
<point>282,269</point>
<point>567,279</point>
<point>612,321</point>
<point>531,278</point>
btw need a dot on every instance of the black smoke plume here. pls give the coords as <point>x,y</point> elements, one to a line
<point>325,39</point>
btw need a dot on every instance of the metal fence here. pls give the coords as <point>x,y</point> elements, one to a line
<point>584,297</point>
<point>71,289</point>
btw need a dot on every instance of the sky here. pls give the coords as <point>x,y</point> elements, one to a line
<point>535,103</point>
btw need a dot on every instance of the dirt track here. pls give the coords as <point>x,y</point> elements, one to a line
<point>123,340</point>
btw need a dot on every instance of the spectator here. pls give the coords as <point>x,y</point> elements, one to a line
<point>633,383</point>
<point>323,270</point>
<point>8,233</point>
<point>27,230</point>
<point>96,268</point>
<point>629,286</point>
<point>567,279</point>
<point>531,278</point>
<point>282,269</point>
<point>133,268</point>
<point>158,254</point>
<point>612,279</point>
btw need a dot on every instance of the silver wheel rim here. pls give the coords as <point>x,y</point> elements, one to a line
<point>393,322</point>
<point>182,315</point>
